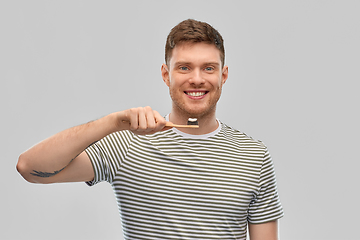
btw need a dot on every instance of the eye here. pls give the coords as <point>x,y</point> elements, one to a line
<point>183,68</point>
<point>209,69</point>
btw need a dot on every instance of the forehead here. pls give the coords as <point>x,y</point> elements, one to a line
<point>195,53</point>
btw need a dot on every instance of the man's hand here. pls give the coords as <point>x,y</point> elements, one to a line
<point>141,121</point>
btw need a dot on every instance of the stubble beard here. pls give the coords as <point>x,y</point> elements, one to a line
<point>183,110</point>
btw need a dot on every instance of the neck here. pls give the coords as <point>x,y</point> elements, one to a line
<point>207,123</point>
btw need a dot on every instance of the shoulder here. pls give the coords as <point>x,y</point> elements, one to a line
<point>120,138</point>
<point>236,136</point>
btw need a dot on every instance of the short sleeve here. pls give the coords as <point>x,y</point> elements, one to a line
<point>266,205</point>
<point>107,156</point>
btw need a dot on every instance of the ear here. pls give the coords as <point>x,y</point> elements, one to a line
<point>224,74</point>
<point>165,74</point>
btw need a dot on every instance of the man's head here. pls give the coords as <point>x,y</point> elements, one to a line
<point>192,31</point>
<point>194,69</point>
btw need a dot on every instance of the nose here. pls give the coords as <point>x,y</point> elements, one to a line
<point>196,78</point>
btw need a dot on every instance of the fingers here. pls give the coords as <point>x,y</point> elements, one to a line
<point>160,122</point>
<point>144,120</point>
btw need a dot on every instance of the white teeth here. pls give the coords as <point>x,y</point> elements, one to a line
<point>195,94</point>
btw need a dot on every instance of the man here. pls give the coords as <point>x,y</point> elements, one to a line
<point>205,183</point>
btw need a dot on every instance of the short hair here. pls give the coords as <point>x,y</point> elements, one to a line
<point>193,31</point>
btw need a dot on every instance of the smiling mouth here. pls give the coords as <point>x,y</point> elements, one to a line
<point>196,94</point>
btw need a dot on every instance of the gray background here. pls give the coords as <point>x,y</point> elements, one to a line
<point>293,83</point>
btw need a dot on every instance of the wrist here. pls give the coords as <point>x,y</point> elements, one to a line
<point>117,122</point>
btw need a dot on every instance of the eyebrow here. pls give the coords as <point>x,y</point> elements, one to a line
<point>187,63</point>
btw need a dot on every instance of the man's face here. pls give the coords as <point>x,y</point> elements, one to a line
<point>195,78</point>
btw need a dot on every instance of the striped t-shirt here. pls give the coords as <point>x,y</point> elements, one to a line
<point>172,185</point>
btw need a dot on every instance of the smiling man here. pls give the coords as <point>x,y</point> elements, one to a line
<point>213,182</point>
<point>195,75</point>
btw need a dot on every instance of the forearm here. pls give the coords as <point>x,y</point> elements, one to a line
<point>264,231</point>
<point>52,155</point>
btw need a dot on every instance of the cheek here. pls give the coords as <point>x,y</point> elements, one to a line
<point>176,81</point>
<point>217,83</point>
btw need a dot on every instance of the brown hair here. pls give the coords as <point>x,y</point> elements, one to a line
<point>193,31</point>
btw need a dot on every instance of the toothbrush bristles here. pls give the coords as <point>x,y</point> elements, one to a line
<point>192,121</point>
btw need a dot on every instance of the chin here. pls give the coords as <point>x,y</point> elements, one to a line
<point>200,112</point>
<point>194,110</point>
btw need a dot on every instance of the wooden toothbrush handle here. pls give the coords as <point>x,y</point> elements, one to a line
<point>169,124</point>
